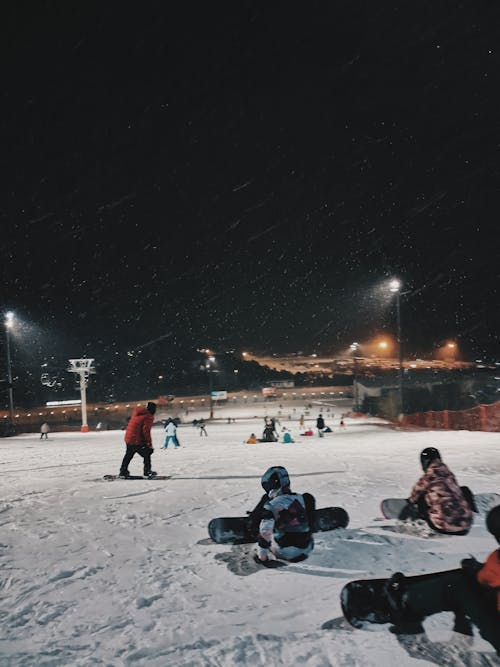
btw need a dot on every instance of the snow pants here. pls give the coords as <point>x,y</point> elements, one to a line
<point>171,438</point>
<point>131,451</point>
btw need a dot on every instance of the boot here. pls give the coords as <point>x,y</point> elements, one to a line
<point>406,622</point>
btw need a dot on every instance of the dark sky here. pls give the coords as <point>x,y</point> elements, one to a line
<point>247,174</point>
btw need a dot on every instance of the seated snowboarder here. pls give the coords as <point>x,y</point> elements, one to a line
<point>284,520</point>
<point>472,593</point>
<point>438,499</point>
<point>269,434</point>
<point>252,440</point>
<point>287,436</point>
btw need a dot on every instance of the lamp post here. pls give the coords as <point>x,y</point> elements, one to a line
<point>83,368</point>
<point>354,348</point>
<point>9,321</point>
<point>395,287</point>
<point>210,385</point>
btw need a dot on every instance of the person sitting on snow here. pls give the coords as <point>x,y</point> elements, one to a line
<point>438,499</point>
<point>252,440</point>
<point>472,593</point>
<point>284,520</point>
<point>287,436</point>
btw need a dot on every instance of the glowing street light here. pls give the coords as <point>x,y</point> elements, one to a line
<point>9,323</point>
<point>395,288</point>
<point>354,347</point>
<point>210,360</point>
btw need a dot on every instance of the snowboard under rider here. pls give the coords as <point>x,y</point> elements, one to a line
<point>438,499</point>
<point>138,439</point>
<point>284,520</point>
<point>472,593</point>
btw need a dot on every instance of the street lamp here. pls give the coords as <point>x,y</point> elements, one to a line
<point>395,287</point>
<point>9,322</point>
<point>354,348</point>
<point>210,384</point>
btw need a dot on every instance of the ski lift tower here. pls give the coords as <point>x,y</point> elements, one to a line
<point>83,368</point>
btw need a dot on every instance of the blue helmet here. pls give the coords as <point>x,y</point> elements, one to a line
<point>275,479</point>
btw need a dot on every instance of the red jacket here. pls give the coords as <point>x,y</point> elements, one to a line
<point>139,428</point>
<point>489,574</point>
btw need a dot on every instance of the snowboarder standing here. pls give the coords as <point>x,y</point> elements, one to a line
<point>320,425</point>
<point>438,498</point>
<point>44,431</point>
<point>201,426</point>
<point>170,429</point>
<point>138,439</point>
<point>285,520</point>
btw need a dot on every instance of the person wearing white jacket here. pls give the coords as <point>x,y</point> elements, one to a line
<point>170,429</point>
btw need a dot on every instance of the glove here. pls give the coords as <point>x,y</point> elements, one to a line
<point>471,565</point>
<point>262,554</point>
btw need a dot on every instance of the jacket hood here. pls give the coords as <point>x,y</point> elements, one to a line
<point>141,411</point>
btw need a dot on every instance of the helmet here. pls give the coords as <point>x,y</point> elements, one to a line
<point>493,522</point>
<point>428,455</point>
<point>275,479</point>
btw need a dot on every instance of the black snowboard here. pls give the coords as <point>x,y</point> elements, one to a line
<point>234,530</point>
<point>365,601</point>
<point>398,508</point>
<point>111,478</point>
<point>406,602</point>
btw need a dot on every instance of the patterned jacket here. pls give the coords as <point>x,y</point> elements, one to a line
<point>489,574</point>
<point>284,518</point>
<point>448,509</point>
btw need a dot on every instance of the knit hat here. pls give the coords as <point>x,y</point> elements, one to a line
<point>151,407</point>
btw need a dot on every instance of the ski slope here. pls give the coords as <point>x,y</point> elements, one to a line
<point>123,573</point>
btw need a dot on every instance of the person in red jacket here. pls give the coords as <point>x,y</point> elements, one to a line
<point>471,592</point>
<point>488,574</point>
<point>138,439</point>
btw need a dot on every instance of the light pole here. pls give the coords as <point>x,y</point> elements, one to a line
<point>9,321</point>
<point>395,287</point>
<point>210,385</point>
<point>83,368</point>
<point>354,348</point>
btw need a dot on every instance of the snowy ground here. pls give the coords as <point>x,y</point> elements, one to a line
<point>122,573</point>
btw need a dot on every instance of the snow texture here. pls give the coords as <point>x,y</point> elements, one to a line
<point>123,573</point>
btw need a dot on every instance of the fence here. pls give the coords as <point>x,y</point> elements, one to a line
<point>479,418</point>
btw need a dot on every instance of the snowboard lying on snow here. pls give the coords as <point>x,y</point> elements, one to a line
<point>368,601</point>
<point>406,602</point>
<point>111,478</point>
<point>399,508</point>
<point>235,529</point>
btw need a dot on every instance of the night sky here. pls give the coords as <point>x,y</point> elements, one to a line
<point>248,174</point>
